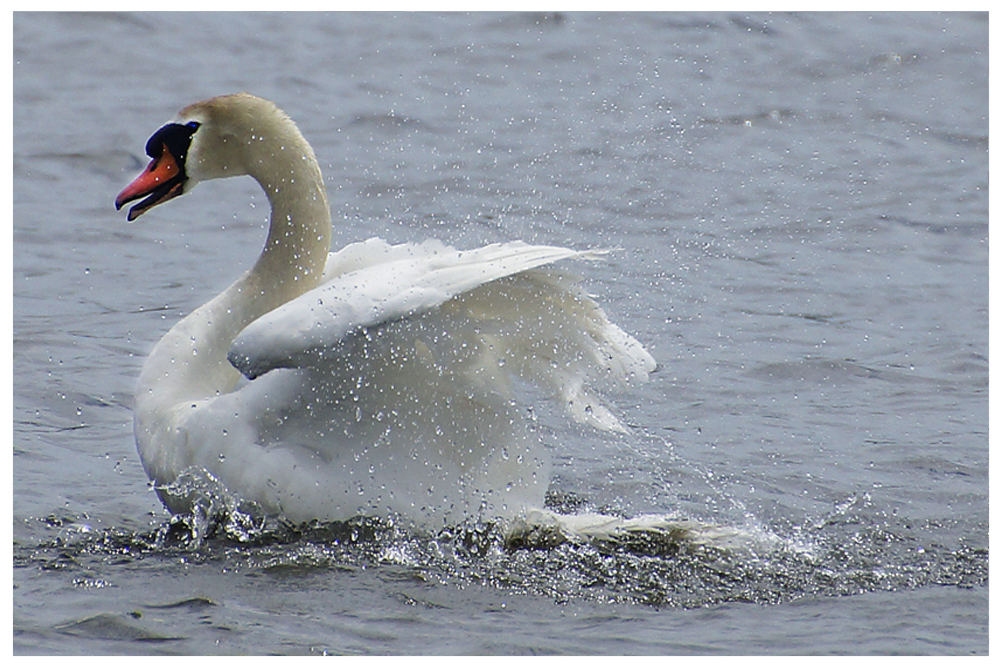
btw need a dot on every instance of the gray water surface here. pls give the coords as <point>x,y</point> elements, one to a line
<point>799,210</point>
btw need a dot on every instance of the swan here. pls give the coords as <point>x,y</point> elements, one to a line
<point>375,380</point>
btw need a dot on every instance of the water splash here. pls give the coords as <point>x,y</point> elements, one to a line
<point>844,553</point>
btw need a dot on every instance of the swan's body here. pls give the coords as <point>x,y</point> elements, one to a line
<point>374,380</point>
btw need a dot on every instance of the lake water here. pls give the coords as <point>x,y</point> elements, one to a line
<point>799,208</point>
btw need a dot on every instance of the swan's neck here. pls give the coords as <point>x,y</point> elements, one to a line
<point>190,363</point>
<point>298,240</point>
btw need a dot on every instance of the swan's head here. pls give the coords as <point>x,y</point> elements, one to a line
<point>210,139</point>
<point>166,176</point>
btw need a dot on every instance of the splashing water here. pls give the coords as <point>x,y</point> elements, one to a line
<point>678,564</point>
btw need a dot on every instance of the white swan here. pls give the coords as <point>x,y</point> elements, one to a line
<point>374,380</point>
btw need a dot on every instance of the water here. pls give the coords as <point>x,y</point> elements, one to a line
<point>799,204</point>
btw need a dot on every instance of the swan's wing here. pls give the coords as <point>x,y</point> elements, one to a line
<point>478,317</point>
<point>374,283</point>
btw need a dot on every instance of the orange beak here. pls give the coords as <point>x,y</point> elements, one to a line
<point>161,181</point>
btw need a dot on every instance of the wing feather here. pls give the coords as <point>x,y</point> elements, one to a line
<point>372,283</point>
